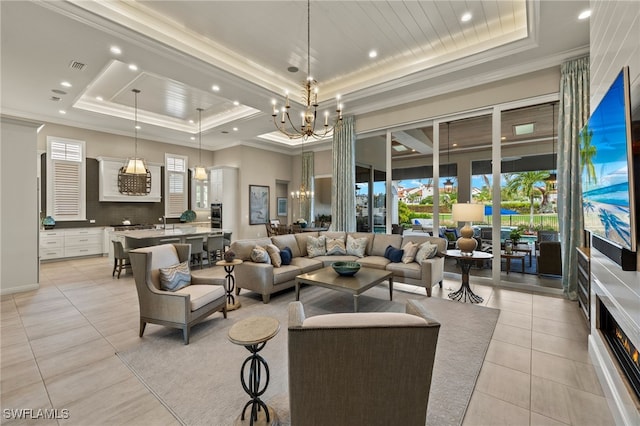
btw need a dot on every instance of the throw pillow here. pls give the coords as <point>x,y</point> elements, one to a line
<point>274,255</point>
<point>335,246</point>
<point>356,246</point>
<point>410,249</point>
<point>175,277</point>
<point>450,235</point>
<point>259,255</point>
<point>393,254</point>
<point>286,256</point>
<point>427,250</point>
<point>316,246</point>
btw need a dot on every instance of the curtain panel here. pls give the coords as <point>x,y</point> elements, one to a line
<point>307,181</point>
<point>573,114</point>
<point>343,183</point>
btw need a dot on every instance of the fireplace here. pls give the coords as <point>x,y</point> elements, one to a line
<point>622,348</point>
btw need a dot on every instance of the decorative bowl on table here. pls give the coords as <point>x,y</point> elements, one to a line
<point>346,269</point>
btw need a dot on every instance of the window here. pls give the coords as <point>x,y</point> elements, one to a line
<point>200,194</point>
<point>175,185</point>
<point>66,179</point>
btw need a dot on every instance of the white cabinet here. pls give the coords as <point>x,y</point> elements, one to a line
<point>70,243</point>
<point>224,189</point>
<point>51,244</point>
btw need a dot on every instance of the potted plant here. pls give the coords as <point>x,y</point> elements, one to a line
<point>515,236</point>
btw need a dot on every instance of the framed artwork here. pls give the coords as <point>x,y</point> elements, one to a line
<point>282,206</point>
<point>258,204</point>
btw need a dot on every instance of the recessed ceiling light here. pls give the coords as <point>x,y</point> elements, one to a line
<point>133,67</point>
<point>215,88</point>
<point>190,121</point>
<point>584,14</point>
<point>235,129</point>
<point>62,111</point>
<point>236,103</point>
<point>138,127</point>
<point>454,144</point>
<point>65,84</point>
<point>115,50</point>
<point>466,17</point>
<point>193,138</point>
<point>373,54</point>
<point>504,138</point>
<point>59,92</point>
<point>99,98</point>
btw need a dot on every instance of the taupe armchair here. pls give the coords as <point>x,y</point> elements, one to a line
<point>360,368</point>
<point>180,309</point>
<point>550,258</point>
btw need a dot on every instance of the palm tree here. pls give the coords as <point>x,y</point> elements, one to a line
<point>587,152</point>
<point>525,183</point>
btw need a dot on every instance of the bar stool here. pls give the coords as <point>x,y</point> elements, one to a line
<point>213,247</point>
<point>120,258</point>
<point>196,249</point>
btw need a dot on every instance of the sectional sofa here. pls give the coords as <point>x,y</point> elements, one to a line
<point>266,279</point>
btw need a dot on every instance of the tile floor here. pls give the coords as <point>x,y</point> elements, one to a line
<point>58,349</point>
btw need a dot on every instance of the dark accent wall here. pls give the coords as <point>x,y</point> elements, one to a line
<point>107,213</point>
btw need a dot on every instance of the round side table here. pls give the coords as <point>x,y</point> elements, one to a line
<point>231,282</point>
<point>253,333</point>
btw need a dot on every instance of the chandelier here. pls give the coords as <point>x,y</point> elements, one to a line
<point>134,178</point>
<point>307,127</point>
<point>303,193</point>
<point>135,165</point>
<point>200,171</point>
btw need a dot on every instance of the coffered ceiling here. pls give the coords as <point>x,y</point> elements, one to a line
<point>232,58</point>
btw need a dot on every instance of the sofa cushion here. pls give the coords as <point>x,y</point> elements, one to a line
<point>427,250</point>
<point>305,264</point>
<point>335,246</point>
<point>302,238</point>
<point>175,277</point>
<point>274,255</point>
<point>259,255</point>
<point>356,246</point>
<point>285,274</point>
<point>287,240</point>
<point>316,246</point>
<point>377,262</point>
<point>382,241</point>
<point>393,254</point>
<point>335,234</point>
<point>243,248</point>
<point>408,270</point>
<point>364,320</point>
<point>410,249</point>
<point>201,295</point>
<point>286,256</point>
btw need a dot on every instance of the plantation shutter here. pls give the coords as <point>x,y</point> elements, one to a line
<point>66,181</point>
<point>176,185</point>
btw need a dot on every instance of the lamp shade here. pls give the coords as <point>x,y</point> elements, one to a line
<point>135,166</point>
<point>467,212</point>
<point>200,173</point>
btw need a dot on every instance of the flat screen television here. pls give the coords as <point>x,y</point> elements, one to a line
<point>607,163</point>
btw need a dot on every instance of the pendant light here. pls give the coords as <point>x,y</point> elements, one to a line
<point>200,171</point>
<point>552,180</point>
<point>135,165</point>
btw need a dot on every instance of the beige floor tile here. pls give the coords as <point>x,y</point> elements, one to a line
<point>573,331</point>
<point>38,318</point>
<point>567,348</point>
<point>565,371</point>
<point>16,353</point>
<point>509,355</point>
<point>515,319</point>
<point>514,335</point>
<point>550,399</point>
<point>33,396</point>
<point>19,374</point>
<point>74,357</point>
<point>505,384</point>
<point>41,329</point>
<point>485,410</point>
<point>562,313</point>
<point>589,409</point>
<point>511,306</point>
<point>540,420</point>
<point>67,388</point>
<point>44,306</point>
<point>64,340</point>
<point>12,336</point>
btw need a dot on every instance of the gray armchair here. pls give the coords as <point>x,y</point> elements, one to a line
<point>180,309</point>
<point>360,368</point>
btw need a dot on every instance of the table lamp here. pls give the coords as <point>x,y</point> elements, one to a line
<point>466,212</point>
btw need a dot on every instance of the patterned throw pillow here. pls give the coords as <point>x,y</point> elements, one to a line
<point>286,255</point>
<point>274,254</point>
<point>259,255</point>
<point>393,254</point>
<point>410,249</point>
<point>316,246</point>
<point>356,246</point>
<point>175,277</point>
<point>335,246</point>
<point>427,250</point>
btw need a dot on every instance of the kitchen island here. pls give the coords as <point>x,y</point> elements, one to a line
<point>151,237</point>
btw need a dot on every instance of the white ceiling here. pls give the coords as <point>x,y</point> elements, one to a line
<point>183,48</point>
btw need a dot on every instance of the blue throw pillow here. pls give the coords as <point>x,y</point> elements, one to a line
<point>286,255</point>
<point>393,254</point>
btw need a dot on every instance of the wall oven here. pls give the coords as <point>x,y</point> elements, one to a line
<point>216,215</point>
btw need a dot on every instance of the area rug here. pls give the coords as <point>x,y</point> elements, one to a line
<point>200,382</point>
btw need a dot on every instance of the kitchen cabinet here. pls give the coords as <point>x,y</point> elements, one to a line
<point>224,189</point>
<point>71,242</point>
<point>51,245</point>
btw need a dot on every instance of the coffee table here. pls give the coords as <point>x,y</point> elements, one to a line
<point>513,255</point>
<point>356,285</point>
